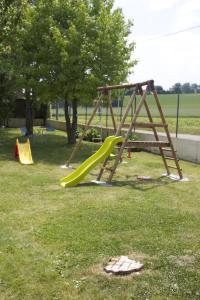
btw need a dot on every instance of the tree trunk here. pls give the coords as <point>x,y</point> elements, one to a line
<point>71,126</point>
<point>29,113</point>
<point>44,113</point>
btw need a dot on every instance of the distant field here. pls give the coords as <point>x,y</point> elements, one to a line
<point>189,106</point>
<point>189,112</point>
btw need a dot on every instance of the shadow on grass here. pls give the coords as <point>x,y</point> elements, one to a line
<point>144,185</point>
<point>46,149</point>
<point>135,184</point>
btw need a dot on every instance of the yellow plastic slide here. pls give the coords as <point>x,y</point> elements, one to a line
<point>104,151</point>
<point>24,152</point>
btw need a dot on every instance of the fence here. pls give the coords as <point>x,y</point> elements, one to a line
<point>182,112</point>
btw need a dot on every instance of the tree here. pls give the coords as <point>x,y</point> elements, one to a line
<point>7,93</point>
<point>186,88</point>
<point>9,18</point>
<point>177,88</point>
<point>15,61</point>
<point>159,89</point>
<point>64,49</point>
<point>84,45</point>
<point>194,87</point>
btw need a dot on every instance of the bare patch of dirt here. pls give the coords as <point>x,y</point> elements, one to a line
<point>53,187</point>
<point>182,261</point>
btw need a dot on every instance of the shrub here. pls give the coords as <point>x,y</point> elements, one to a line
<point>91,135</point>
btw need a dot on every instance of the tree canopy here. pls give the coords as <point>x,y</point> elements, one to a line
<point>64,49</point>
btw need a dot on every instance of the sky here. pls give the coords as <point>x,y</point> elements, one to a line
<point>166,59</point>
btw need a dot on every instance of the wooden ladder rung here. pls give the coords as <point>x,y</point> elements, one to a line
<point>173,167</point>
<point>107,169</point>
<point>166,149</point>
<point>170,158</point>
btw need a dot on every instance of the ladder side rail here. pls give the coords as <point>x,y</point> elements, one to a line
<point>77,146</point>
<point>156,136</point>
<point>127,136</point>
<point>167,133</point>
<point>102,169</point>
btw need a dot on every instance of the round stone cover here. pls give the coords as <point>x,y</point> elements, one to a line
<point>122,265</point>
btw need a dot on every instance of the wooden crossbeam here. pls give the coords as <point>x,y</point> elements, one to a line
<point>173,167</point>
<point>125,86</point>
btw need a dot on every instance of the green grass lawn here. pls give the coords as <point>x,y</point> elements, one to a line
<point>54,241</point>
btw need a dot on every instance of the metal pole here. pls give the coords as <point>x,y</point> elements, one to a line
<point>86,114</point>
<point>177,114</point>
<point>121,106</point>
<point>57,110</point>
<point>106,116</point>
<point>135,104</point>
<point>107,130</point>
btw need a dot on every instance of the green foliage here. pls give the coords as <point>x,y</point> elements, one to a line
<point>11,13</point>
<point>6,110</point>
<point>133,137</point>
<point>92,135</point>
<point>65,49</point>
<point>7,94</point>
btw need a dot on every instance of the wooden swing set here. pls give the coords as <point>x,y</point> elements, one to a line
<point>166,148</point>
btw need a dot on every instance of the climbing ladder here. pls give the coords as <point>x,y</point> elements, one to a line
<point>166,148</point>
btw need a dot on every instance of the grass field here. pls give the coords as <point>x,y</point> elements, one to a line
<point>185,125</point>
<point>54,241</point>
<point>189,113</point>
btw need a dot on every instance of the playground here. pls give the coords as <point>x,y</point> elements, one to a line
<point>99,163</point>
<point>54,241</point>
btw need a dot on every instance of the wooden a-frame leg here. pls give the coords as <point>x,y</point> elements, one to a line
<point>168,135</point>
<point>156,136</point>
<point>77,146</point>
<point>127,136</point>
